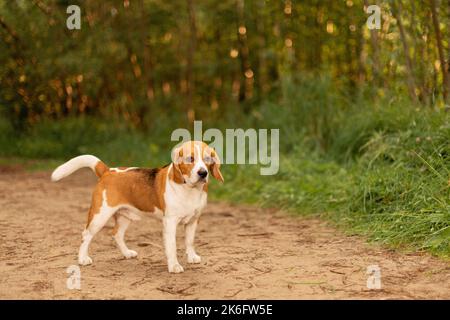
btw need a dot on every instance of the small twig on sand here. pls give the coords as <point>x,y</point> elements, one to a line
<point>57,256</point>
<point>143,280</point>
<point>179,291</point>
<point>255,234</point>
<point>261,270</point>
<point>309,283</point>
<point>234,294</point>
<point>338,272</point>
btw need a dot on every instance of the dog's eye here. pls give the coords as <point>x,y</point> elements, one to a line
<point>189,159</point>
<point>208,160</point>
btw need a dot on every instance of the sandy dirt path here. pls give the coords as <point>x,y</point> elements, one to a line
<point>247,253</point>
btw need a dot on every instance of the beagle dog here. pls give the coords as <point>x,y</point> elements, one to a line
<point>176,192</point>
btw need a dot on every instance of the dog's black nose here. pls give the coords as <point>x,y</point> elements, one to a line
<point>202,173</point>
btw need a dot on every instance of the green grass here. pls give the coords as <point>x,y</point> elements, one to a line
<point>391,185</point>
<point>377,169</point>
<point>111,141</point>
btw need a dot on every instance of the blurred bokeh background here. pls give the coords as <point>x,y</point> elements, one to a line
<point>141,60</point>
<point>362,113</point>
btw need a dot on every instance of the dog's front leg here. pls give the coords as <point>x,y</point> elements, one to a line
<point>170,243</point>
<point>189,229</point>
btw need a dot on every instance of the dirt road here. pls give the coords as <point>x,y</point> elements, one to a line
<point>247,253</point>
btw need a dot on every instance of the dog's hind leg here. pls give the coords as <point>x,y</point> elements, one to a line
<point>96,223</point>
<point>122,224</point>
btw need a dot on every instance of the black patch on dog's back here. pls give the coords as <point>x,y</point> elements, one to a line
<point>150,174</point>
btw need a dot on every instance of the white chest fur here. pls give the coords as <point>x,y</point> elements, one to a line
<point>184,201</point>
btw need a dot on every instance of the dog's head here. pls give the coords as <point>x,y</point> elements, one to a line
<point>193,161</point>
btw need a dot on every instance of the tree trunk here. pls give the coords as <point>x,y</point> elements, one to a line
<point>397,11</point>
<point>246,82</point>
<point>262,79</point>
<point>440,47</point>
<point>375,52</point>
<point>190,112</point>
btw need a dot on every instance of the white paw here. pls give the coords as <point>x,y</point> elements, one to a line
<point>84,261</point>
<point>194,258</point>
<point>176,268</point>
<point>130,254</point>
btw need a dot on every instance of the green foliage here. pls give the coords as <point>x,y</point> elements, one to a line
<point>365,119</point>
<point>390,182</point>
<point>138,59</point>
<point>114,142</point>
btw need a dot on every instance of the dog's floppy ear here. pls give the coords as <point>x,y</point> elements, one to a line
<point>215,166</point>
<point>177,156</point>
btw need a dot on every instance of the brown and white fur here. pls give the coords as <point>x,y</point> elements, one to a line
<point>176,192</point>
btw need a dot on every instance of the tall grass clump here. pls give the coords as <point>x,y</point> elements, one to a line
<point>383,174</point>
